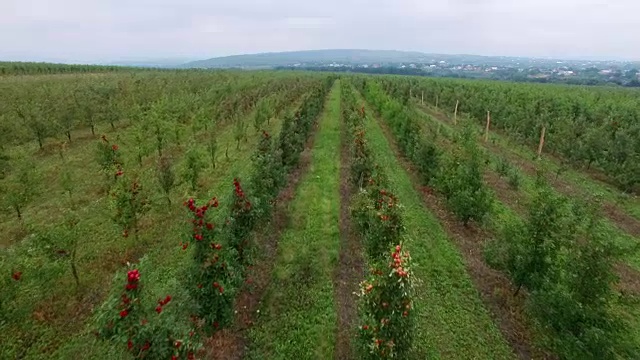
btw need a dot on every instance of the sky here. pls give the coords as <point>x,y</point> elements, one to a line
<point>113,30</point>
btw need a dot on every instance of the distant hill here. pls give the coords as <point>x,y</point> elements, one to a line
<point>310,57</point>
<point>149,63</point>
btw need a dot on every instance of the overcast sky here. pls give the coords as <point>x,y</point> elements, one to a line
<point>106,30</point>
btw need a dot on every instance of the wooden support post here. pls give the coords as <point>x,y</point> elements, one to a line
<point>486,130</point>
<point>541,144</point>
<point>422,99</point>
<point>455,114</point>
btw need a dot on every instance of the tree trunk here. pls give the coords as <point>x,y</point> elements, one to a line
<point>93,130</point>
<point>74,270</point>
<point>135,228</point>
<point>517,290</point>
<point>40,141</point>
<point>17,208</point>
<point>69,135</point>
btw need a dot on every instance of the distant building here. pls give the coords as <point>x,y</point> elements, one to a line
<point>565,72</point>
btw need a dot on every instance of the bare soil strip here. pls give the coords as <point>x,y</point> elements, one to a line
<point>350,270</point>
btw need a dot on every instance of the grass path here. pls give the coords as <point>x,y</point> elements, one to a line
<point>299,314</point>
<point>452,322</point>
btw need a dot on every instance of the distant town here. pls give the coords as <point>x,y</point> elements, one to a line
<point>533,70</point>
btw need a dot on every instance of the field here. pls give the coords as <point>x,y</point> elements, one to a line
<point>277,215</point>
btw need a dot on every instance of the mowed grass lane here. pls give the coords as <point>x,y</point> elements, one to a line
<point>298,317</point>
<point>452,322</point>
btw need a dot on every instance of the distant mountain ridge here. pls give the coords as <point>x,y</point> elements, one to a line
<point>273,59</point>
<point>369,57</point>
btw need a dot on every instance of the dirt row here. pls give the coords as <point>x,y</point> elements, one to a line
<point>618,216</point>
<point>351,265</point>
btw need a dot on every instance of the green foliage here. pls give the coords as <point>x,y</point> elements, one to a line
<point>5,164</point>
<point>586,126</point>
<point>386,308</point>
<point>22,187</point>
<point>290,141</point>
<point>213,276</point>
<point>109,158</point>
<point>130,203</point>
<point>361,159</point>
<point>241,220</point>
<point>563,258</point>
<point>239,132</point>
<point>514,179</point>
<point>68,116</point>
<point>141,145</point>
<point>193,165</point>
<point>212,149</point>
<point>268,174</point>
<point>503,167</point>
<point>144,329</point>
<point>34,115</point>
<point>427,159</point>
<point>263,113</point>
<point>37,309</point>
<point>66,182</point>
<point>377,215</point>
<point>460,180</point>
<point>457,175</point>
<point>159,131</point>
<point>386,297</point>
<point>166,176</point>
<point>60,243</point>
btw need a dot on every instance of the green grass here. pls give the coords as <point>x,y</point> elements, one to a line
<point>452,322</point>
<point>298,316</point>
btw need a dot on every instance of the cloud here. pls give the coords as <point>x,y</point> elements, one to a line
<point>103,30</point>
